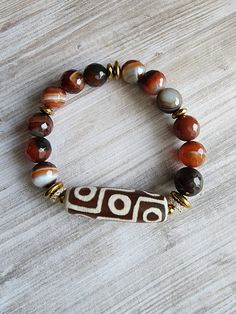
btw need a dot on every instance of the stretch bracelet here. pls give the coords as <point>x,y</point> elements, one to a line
<point>112,203</point>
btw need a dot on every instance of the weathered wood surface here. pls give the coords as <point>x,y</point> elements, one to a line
<point>52,262</point>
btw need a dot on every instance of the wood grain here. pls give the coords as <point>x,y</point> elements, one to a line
<point>52,262</point>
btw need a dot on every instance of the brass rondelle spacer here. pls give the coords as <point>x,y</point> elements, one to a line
<point>109,71</point>
<point>182,200</point>
<point>179,113</point>
<point>56,192</point>
<point>46,110</point>
<point>116,70</point>
<point>171,209</point>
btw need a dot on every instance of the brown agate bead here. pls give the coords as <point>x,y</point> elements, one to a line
<point>53,97</point>
<point>95,74</point>
<point>186,128</point>
<point>188,181</point>
<point>132,70</point>
<point>72,81</point>
<point>40,124</point>
<point>44,174</point>
<point>152,82</point>
<point>38,149</point>
<point>192,154</point>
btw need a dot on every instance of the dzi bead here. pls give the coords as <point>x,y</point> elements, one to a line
<point>53,97</point>
<point>152,82</point>
<point>38,149</point>
<point>188,181</point>
<point>186,128</point>
<point>192,154</point>
<point>95,74</point>
<point>116,204</point>
<point>44,174</point>
<point>169,100</point>
<point>72,81</point>
<point>132,70</point>
<point>40,124</point>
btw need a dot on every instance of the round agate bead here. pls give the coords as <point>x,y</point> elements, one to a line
<point>152,82</point>
<point>40,124</point>
<point>186,128</point>
<point>192,154</point>
<point>188,181</point>
<point>95,74</point>
<point>44,174</point>
<point>169,100</point>
<point>132,70</point>
<point>72,81</point>
<point>53,97</point>
<point>38,149</point>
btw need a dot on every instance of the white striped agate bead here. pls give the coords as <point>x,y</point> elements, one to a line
<point>44,174</point>
<point>132,70</point>
<point>53,97</point>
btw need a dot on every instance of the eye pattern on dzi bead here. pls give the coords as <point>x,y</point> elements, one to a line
<point>111,203</point>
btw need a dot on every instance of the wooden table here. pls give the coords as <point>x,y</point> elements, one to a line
<point>53,262</point>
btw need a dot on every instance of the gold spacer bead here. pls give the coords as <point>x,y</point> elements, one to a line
<point>46,110</point>
<point>182,200</point>
<point>56,192</point>
<point>117,70</point>
<point>171,209</point>
<point>109,71</point>
<point>179,113</point>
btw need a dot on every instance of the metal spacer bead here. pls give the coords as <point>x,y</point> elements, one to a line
<point>47,110</point>
<point>179,113</point>
<point>171,209</point>
<point>109,71</point>
<point>116,70</point>
<point>182,200</point>
<point>56,192</point>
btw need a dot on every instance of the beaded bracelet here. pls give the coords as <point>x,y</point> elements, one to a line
<point>111,203</point>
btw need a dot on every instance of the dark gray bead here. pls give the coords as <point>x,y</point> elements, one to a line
<point>188,181</point>
<point>169,100</point>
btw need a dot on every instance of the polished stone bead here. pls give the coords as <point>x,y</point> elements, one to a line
<point>38,149</point>
<point>95,74</point>
<point>169,100</point>
<point>152,82</point>
<point>132,70</point>
<point>72,81</point>
<point>192,154</point>
<point>186,128</point>
<point>188,181</point>
<point>40,124</point>
<point>44,174</point>
<point>53,97</point>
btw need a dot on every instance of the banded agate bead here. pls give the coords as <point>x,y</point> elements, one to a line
<point>192,154</point>
<point>53,97</point>
<point>188,181</point>
<point>95,74</point>
<point>132,70</point>
<point>72,81</point>
<point>152,82</point>
<point>169,100</point>
<point>44,174</point>
<point>186,128</point>
<point>40,124</point>
<point>38,149</point>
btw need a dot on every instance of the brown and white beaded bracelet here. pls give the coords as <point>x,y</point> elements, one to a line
<point>111,203</point>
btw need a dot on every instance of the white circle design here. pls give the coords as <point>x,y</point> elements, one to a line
<point>87,197</point>
<point>127,204</point>
<point>154,210</point>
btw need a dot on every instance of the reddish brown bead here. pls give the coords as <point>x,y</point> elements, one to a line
<point>72,81</point>
<point>152,82</point>
<point>53,97</point>
<point>186,128</point>
<point>38,149</point>
<point>40,124</point>
<point>95,74</point>
<point>192,154</point>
